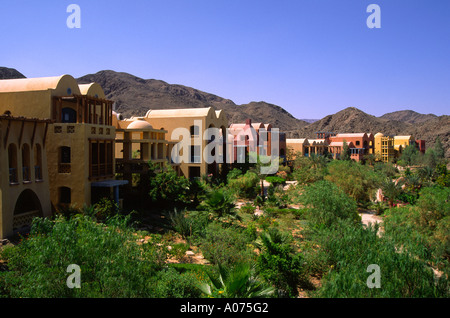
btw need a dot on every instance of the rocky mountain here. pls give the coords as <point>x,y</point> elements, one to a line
<point>134,96</point>
<point>408,116</point>
<point>10,73</point>
<point>352,120</point>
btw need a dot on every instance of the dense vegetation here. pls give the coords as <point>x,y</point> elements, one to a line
<point>302,240</point>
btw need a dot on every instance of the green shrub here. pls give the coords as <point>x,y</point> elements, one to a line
<point>350,249</point>
<point>112,264</point>
<point>226,246</point>
<point>279,264</point>
<point>245,186</point>
<point>168,283</point>
<point>326,204</point>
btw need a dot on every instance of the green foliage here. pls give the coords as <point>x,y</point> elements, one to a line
<point>358,181</point>
<point>167,189</point>
<point>226,246</point>
<point>345,154</point>
<point>349,249</point>
<point>220,204</point>
<point>275,181</point>
<point>105,209</point>
<point>168,283</point>
<point>245,186</point>
<point>310,169</point>
<point>326,204</point>
<point>391,190</point>
<point>279,264</point>
<point>112,264</point>
<point>239,281</point>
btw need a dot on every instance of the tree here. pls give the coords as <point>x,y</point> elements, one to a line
<point>410,155</point>
<point>278,262</point>
<point>391,190</point>
<point>326,203</point>
<point>345,155</point>
<point>220,204</point>
<point>439,149</point>
<point>167,189</point>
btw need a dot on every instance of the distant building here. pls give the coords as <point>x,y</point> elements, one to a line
<point>389,147</point>
<point>360,144</point>
<point>257,138</point>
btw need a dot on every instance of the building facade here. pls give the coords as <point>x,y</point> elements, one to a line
<point>24,182</point>
<point>80,139</point>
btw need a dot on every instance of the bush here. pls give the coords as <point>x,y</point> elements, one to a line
<point>226,246</point>
<point>358,181</point>
<point>279,264</point>
<point>112,264</point>
<point>350,249</point>
<point>326,204</point>
<point>245,186</point>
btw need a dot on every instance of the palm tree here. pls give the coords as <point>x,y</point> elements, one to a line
<point>238,282</point>
<point>391,190</point>
<point>220,204</point>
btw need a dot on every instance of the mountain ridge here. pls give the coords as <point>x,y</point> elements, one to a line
<point>134,96</point>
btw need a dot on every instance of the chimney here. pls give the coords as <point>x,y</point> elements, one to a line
<point>248,122</point>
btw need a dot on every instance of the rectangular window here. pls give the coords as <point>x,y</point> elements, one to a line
<point>195,154</point>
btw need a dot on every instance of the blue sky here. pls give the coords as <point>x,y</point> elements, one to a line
<point>311,57</point>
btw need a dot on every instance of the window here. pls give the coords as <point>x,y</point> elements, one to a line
<point>64,160</point>
<point>69,115</point>
<point>195,131</point>
<point>38,162</point>
<point>357,142</point>
<point>65,195</point>
<point>26,171</point>
<point>101,158</point>
<point>12,160</point>
<point>195,154</point>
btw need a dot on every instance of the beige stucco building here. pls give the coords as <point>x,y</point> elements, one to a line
<point>189,126</point>
<point>80,139</point>
<point>137,144</point>
<point>24,181</point>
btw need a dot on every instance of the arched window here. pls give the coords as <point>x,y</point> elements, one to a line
<point>26,170</point>
<point>12,162</point>
<point>37,162</point>
<point>69,115</point>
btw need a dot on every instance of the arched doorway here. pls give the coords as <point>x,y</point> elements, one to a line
<point>27,207</point>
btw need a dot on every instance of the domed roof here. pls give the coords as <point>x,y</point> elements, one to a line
<point>139,124</point>
<point>379,134</point>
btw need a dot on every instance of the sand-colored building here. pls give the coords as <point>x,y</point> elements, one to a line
<point>297,146</point>
<point>137,144</point>
<point>187,130</point>
<point>24,185</point>
<point>389,147</point>
<point>80,139</point>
